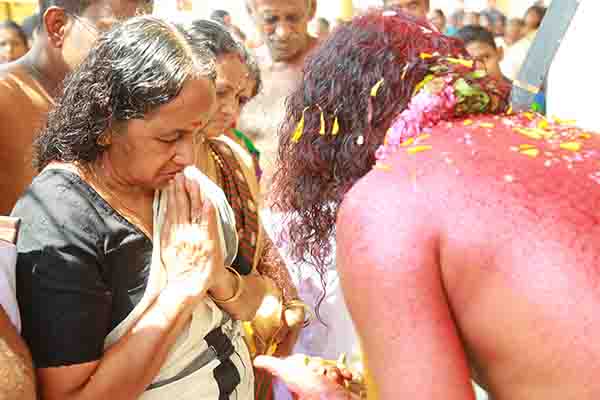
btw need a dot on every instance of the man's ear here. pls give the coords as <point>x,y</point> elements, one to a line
<point>55,22</point>
<point>312,12</point>
<point>249,8</point>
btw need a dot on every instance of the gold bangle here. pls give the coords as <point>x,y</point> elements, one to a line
<point>238,292</point>
<point>299,303</point>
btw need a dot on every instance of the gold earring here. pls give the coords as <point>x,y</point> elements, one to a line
<point>104,140</point>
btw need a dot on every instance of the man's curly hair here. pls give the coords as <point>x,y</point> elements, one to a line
<point>314,174</point>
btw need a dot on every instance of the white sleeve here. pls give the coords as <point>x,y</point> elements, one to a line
<point>8,293</point>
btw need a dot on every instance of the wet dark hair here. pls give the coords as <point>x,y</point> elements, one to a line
<point>133,69</point>
<point>221,42</point>
<point>314,174</point>
<point>476,33</point>
<point>17,28</point>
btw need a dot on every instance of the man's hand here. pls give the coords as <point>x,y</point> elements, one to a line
<point>309,378</point>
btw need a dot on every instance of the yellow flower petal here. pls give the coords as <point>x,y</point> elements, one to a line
<point>299,128</point>
<point>529,133</point>
<point>468,122</point>
<point>336,127</point>
<point>425,56</point>
<point>526,146</point>
<point>461,61</point>
<point>486,125</point>
<point>375,88</point>
<point>531,152</point>
<point>564,121</point>
<point>382,167</point>
<point>322,130</point>
<point>543,124</point>
<point>571,146</point>
<point>407,142</point>
<point>422,84</point>
<point>584,136</point>
<point>529,115</point>
<point>417,149</point>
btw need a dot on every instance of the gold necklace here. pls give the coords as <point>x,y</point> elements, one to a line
<point>108,194</point>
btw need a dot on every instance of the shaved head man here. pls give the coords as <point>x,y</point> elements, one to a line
<point>68,29</point>
<point>283,28</point>
<point>417,8</point>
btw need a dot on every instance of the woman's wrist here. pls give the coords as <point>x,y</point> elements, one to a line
<point>228,287</point>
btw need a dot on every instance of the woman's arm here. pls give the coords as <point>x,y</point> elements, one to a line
<point>250,299</point>
<point>273,266</point>
<point>127,368</point>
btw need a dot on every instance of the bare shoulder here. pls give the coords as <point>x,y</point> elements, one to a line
<point>9,89</point>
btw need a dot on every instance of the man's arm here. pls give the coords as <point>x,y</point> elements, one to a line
<point>389,264</point>
<point>14,162</point>
<point>17,380</point>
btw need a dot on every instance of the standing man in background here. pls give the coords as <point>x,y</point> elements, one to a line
<point>283,28</point>
<point>28,87</point>
<point>492,12</point>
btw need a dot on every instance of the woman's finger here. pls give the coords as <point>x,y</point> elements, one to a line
<point>194,192</point>
<point>182,201</point>
<point>169,197</point>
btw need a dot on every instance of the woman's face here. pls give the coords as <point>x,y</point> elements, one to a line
<point>532,20</point>
<point>12,46</point>
<point>149,152</point>
<point>234,88</point>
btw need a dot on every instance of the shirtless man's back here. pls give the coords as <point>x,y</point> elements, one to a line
<point>24,105</point>
<point>478,253</point>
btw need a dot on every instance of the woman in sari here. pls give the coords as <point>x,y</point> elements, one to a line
<point>125,277</point>
<point>228,159</point>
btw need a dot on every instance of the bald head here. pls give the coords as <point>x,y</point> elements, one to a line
<point>283,26</point>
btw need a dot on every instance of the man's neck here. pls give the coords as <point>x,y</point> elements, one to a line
<point>295,62</point>
<point>47,74</point>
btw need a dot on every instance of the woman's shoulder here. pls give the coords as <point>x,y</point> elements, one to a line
<point>57,202</point>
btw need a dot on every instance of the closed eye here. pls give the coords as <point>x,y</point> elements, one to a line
<point>172,138</point>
